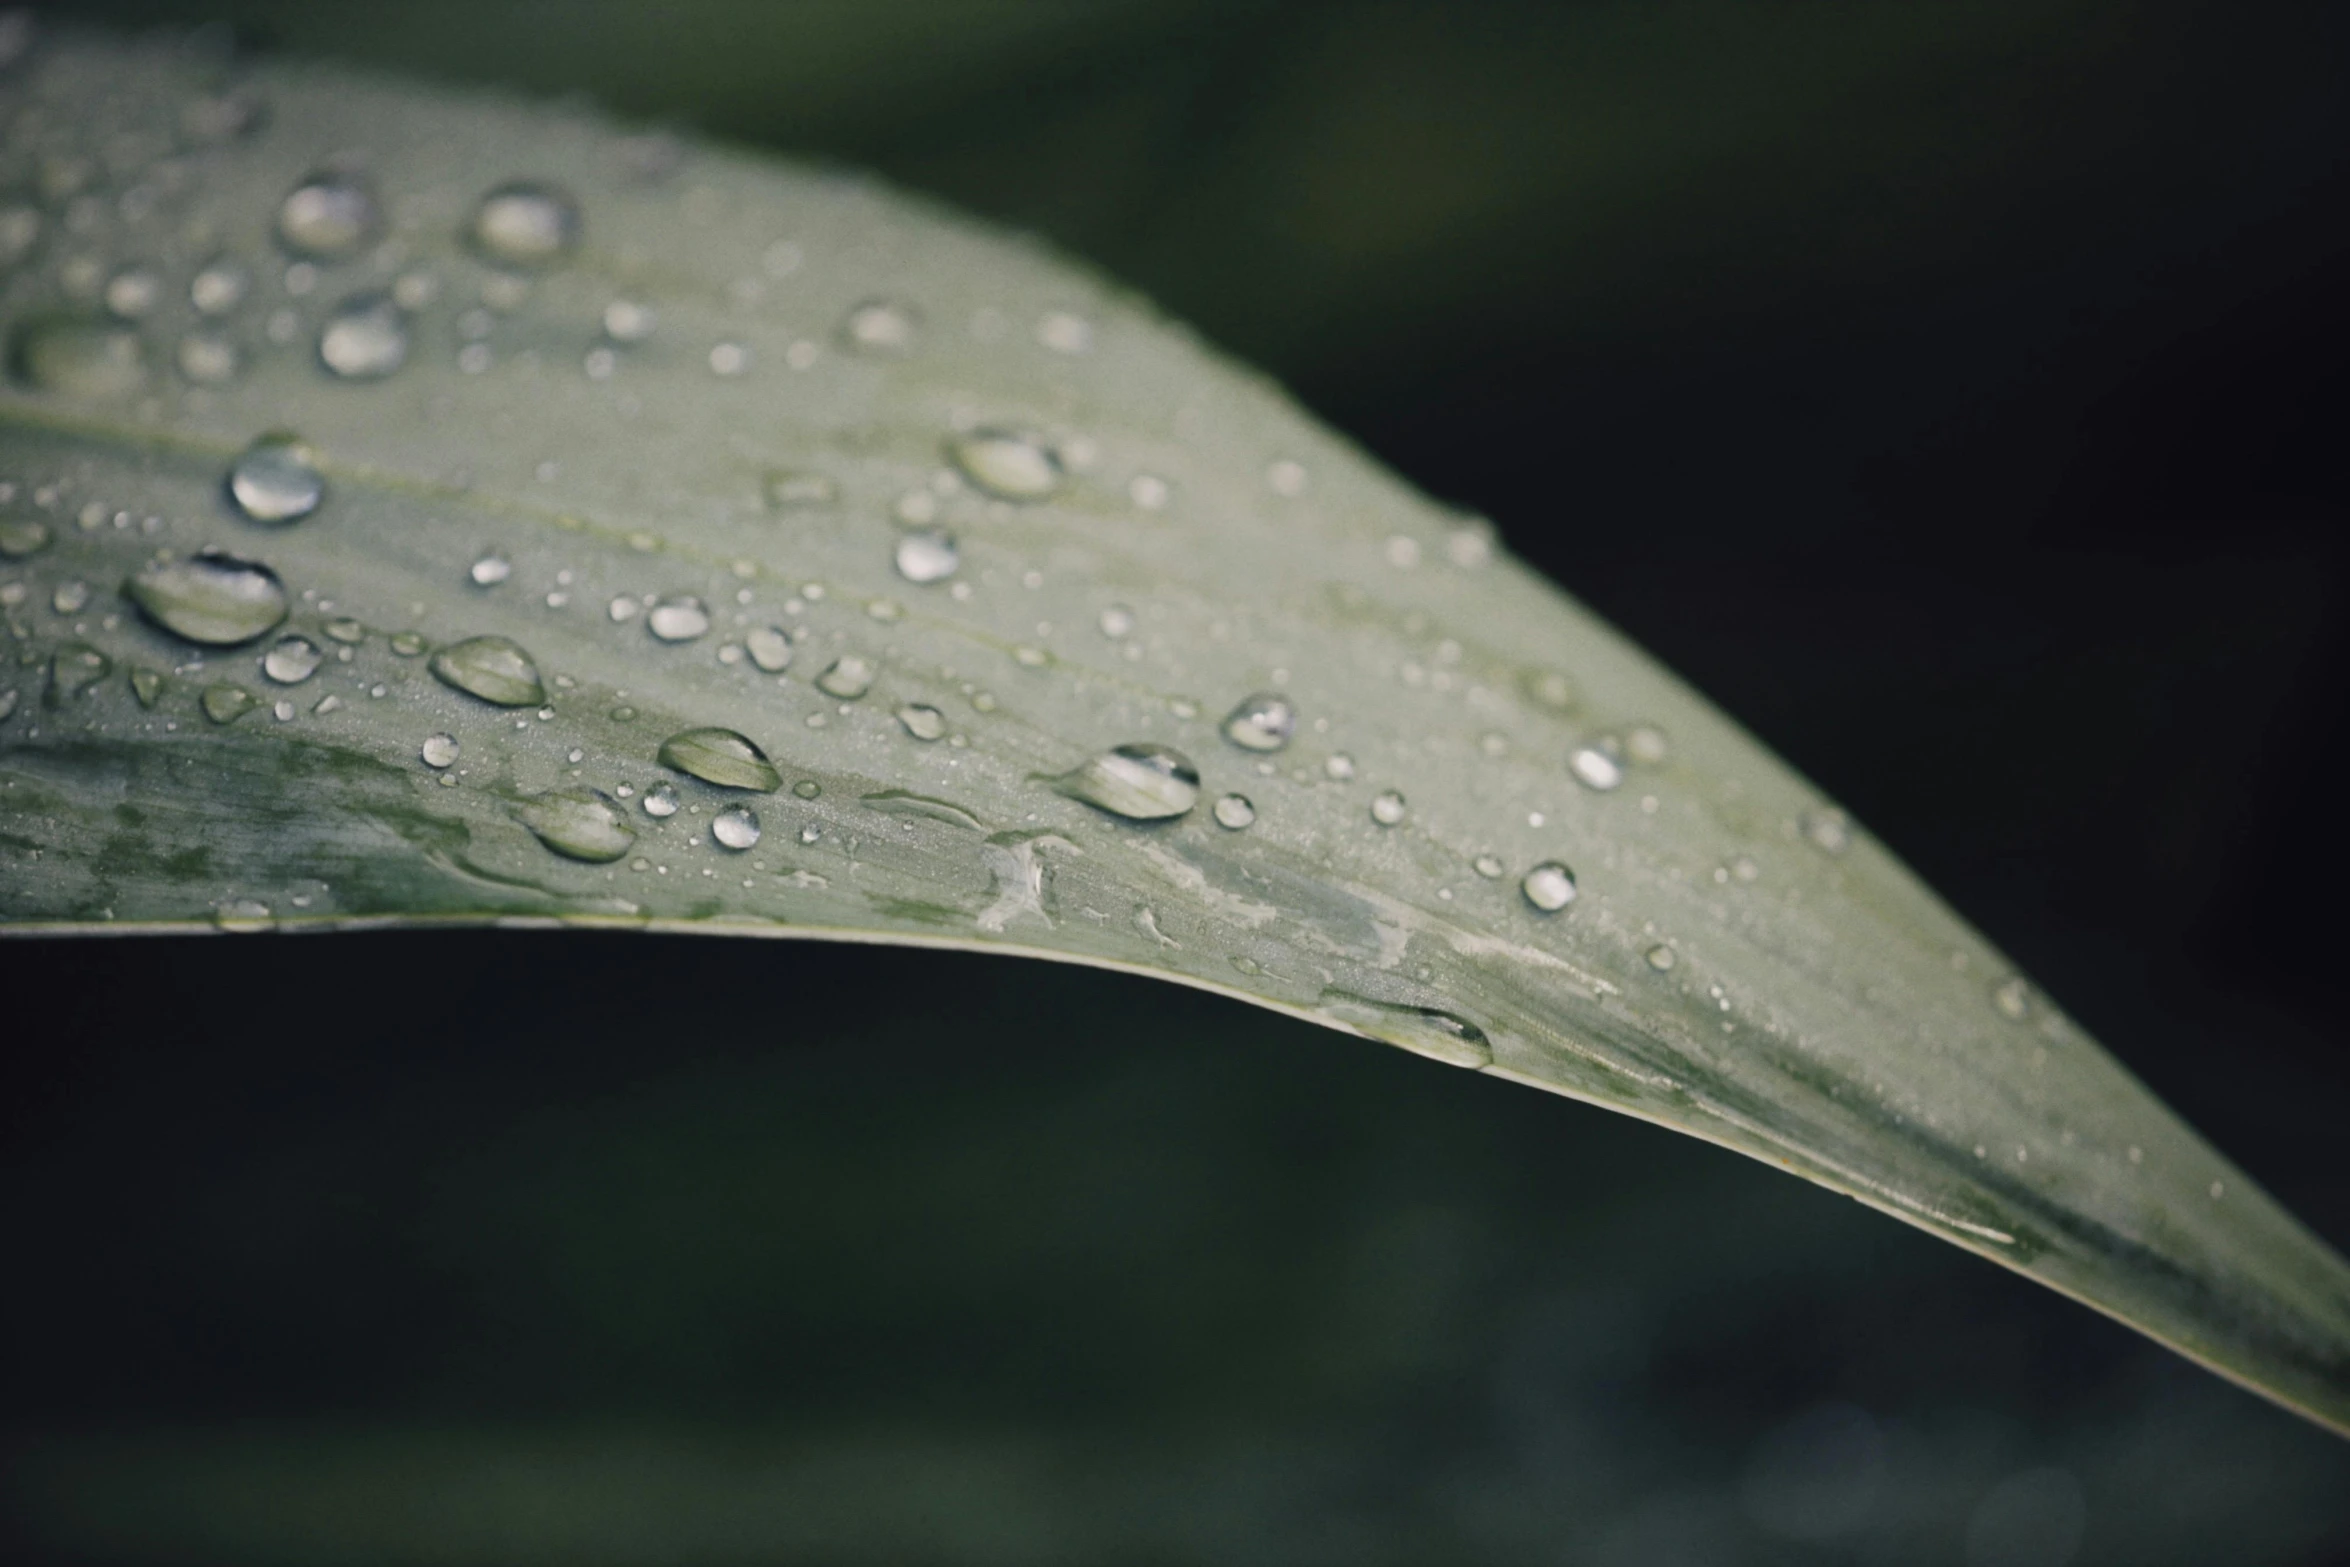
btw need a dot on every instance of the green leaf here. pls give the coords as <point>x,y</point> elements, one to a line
<point>421,508</point>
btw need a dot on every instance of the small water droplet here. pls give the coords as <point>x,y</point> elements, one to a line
<point>73,670</point>
<point>1549,886</point>
<point>490,570</point>
<point>729,359</point>
<point>1148,491</point>
<point>1287,478</point>
<point>365,339</point>
<point>147,686</point>
<point>218,287</point>
<point>329,216</point>
<point>206,358</point>
<point>721,757</point>
<point>736,828</point>
<point>1646,744</point>
<point>1006,464</point>
<point>790,490</point>
<point>22,536</point>
<point>292,661</point>
<point>525,224</point>
<point>679,619</point>
<point>770,648</point>
<point>225,704</point>
<point>2013,999</point>
<point>345,630</point>
<point>407,644</point>
<point>1141,782</point>
<point>1064,332</point>
<point>439,750</point>
<point>243,916</point>
<point>849,677</point>
<point>579,824</point>
<point>928,556</point>
<point>70,597</point>
<point>1662,958</point>
<point>1550,689</point>
<point>77,356</point>
<point>1263,721</point>
<point>492,668</point>
<point>1234,812</point>
<point>1488,866</point>
<point>1595,768</point>
<point>211,598</point>
<point>1827,830</point>
<point>880,326</point>
<point>1389,807</point>
<point>132,293</point>
<point>276,480</point>
<point>627,321</point>
<point>1117,621</point>
<point>807,788</point>
<point>921,721</point>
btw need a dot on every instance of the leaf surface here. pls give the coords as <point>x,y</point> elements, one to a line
<point>609,531</point>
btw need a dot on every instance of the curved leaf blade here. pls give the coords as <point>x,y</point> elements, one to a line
<point>928,526</point>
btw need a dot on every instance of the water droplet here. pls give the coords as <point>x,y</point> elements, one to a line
<point>626,321</point>
<point>490,570</point>
<point>365,339</point>
<point>276,480</point>
<point>928,556</point>
<point>1488,866</point>
<point>1662,958</point>
<point>492,668</point>
<point>2013,999</point>
<point>1117,621</point>
<point>770,648</point>
<point>292,661</point>
<point>1389,807</point>
<point>206,358</point>
<point>211,598</point>
<point>1286,478</point>
<point>661,801</point>
<point>1427,1031</point>
<point>579,824</point>
<point>243,916</point>
<point>736,828</point>
<point>790,490</point>
<point>721,757</point>
<point>807,788</point>
<point>407,644</point>
<point>1148,491</point>
<point>1594,768</point>
<point>1006,464</point>
<point>1141,782</point>
<point>1338,767</point>
<point>880,326</point>
<point>132,293</point>
<point>1263,721</point>
<point>147,686</point>
<point>73,670</point>
<point>225,704</point>
<point>525,224</point>
<point>922,722</point>
<point>438,750</point>
<point>729,359</point>
<point>1233,811</point>
<point>1549,886</point>
<point>70,597</point>
<point>329,216</point>
<point>77,356</point>
<point>22,536</point>
<point>849,678</point>
<point>218,287</point>
<point>345,630</point>
<point>1064,333</point>
<point>679,619</point>
<point>1646,745</point>
<point>1827,830</point>
<point>1550,689</point>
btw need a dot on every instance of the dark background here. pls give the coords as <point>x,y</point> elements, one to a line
<point>1955,393</point>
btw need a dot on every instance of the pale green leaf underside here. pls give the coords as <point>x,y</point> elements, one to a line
<point>1736,965</point>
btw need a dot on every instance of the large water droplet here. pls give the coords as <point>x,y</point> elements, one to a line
<point>365,339</point>
<point>438,750</point>
<point>277,480</point>
<point>579,824</point>
<point>770,648</point>
<point>74,669</point>
<point>1263,721</point>
<point>329,216</point>
<point>492,668</point>
<point>721,757</point>
<point>210,597</point>
<point>1427,1031</point>
<point>928,556</point>
<point>77,356</point>
<point>849,678</point>
<point>292,661</point>
<point>525,224</point>
<point>225,704</point>
<point>1142,782</point>
<point>1234,812</point>
<point>1389,807</point>
<point>736,827</point>
<point>880,326</point>
<point>1006,464</point>
<point>922,722</point>
<point>1549,886</point>
<point>679,619</point>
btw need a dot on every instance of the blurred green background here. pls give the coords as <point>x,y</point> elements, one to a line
<point>1953,390</point>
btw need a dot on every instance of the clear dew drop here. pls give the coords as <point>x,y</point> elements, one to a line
<point>1006,464</point>
<point>525,224</point>
<point>292,661</point>
<point>73,670</point>
<point>849,677</point>
<point>1263,721</point>
<point>1389,808</point>
<point>490,570</point>
<point>365,339</point>
<point>1234,812</point>
<point>78,357</point>
<point>492,668</point>
<point>736,828</point>
<point>210,598</point>
<point>880,326</point>
<point>679,619</point>
<point>1142,782</point>
<point>276,480</point>
<point>22,536</point>
<point>928,555</point>
<point>579,824</point>
<point>1427,1031</point>
<point>1549,886</point>
<point>660,801</point>
<point>769,647</point>
<point>225,704</point>
<point>329,216</point>
<point>1595,768</point>
<point>438,750</point>
<point>721,757</point>
<point>922,721</point>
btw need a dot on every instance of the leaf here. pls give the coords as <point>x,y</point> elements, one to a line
<point>608,532</point>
